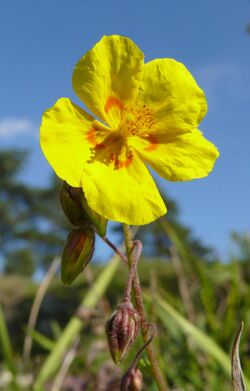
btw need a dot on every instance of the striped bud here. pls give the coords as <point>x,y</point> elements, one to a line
<point>132,381</point>
<point>78,212</point>
<point>122,330</point>
<point>77,253</point>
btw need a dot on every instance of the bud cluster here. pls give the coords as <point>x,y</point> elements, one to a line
<point>80,243</point>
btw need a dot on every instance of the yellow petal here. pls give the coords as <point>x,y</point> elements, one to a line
<point>126,193</point>
<point>180,158</point>
<point>108,76</point>
<point>65,130</point>
<point>169,90</point>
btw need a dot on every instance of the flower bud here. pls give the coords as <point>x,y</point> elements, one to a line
<point>77,253</point>
<point>78,212</point>
<point>122,330</point>
<point>71,206</point>
<point>132,381</point>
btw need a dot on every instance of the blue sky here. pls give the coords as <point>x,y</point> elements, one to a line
<point>40,42</point>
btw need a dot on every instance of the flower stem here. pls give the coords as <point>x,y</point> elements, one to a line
<point>138,354</point>
<point>115,249</point>
<point>155,367</point>
<point>134,258</point>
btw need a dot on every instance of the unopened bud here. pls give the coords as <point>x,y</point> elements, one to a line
<point>69,198</point>
<point>122,330</point>
<point>77,253</point>
<point>78,212</point>
<point>132,381</point>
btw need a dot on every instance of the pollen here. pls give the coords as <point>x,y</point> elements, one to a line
<point>136,120</point>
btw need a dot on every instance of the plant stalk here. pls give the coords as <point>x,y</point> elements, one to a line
<point>134,258</point>
<point>155,366</point>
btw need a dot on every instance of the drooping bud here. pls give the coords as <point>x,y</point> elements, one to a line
<point>77,253</point>
<point>78,212</point>
<point>122,330</point>
<point>132,380</point>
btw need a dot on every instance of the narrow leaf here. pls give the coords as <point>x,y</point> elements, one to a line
<point>43,341</point>
<point>237,375</point>
<point>5,344</point>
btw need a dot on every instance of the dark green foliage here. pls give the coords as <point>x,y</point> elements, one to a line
<point>32,226</point>
<point>20,262</point>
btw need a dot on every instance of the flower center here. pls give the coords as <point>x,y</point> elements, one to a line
<point>136,120</point>
<point>111,147</point>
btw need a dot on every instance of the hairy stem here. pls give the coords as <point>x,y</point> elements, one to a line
<point>135,256</point>
<point>155,367</point>
<point>115,249</point>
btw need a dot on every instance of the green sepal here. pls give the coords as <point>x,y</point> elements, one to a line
<point>99,222</point>
<point>71,205</point>
<point>77,210</point>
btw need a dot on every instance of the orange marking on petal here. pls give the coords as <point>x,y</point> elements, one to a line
<point>100,146</point>
<point>113,101</point>
<point>123,163</point>
<point>153,143</point>
<point>91,136</point>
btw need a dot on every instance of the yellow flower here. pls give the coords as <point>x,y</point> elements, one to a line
<point>148,115</point>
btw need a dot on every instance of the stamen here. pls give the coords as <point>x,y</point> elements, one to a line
<point>112,148</point>
<point>137,120</point>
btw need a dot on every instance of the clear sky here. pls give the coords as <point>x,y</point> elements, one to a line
<point>41,40</point>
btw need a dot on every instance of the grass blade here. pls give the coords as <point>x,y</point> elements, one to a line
<point>43,341</point>
<point>41,292</point>
<point>5,343</point>
<point>237,375</point>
